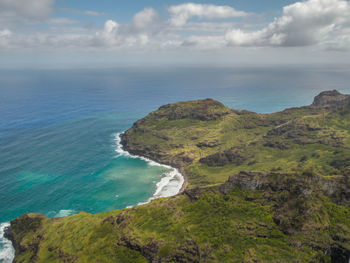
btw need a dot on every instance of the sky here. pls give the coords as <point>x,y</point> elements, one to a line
<point>228,32</point>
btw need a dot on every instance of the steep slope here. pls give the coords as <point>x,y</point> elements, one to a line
<point>291,203</point>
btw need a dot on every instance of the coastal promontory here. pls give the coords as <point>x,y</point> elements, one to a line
<point>258,188</point>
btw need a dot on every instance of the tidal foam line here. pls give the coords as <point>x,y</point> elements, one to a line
<point>7,251</point>
<point>169,185</point>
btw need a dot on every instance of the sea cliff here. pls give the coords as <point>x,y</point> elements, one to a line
<point>259,188</point>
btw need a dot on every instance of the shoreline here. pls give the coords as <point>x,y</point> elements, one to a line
<point>165,183</point>
<point>7,253</point>
<point>184,185</point>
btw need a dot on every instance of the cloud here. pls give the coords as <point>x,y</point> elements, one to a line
<point>5,36</point>
<point>111,36</point>
<point>144,19</point>
<point>145,25</point>
<point>33,9</point>
<point>110,27</point>
<point>305,23</point>
<point>108,36</point>
<point>5,33</point>
<point>181,13</point>
<point>321,24</point>
<point>90,13</point>
<point>118,36</point>
<point>63,21</point>
<point>82,12</point>
<point>204,42</point>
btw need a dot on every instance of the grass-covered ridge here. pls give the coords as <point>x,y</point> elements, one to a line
<point>209,149</point>
<point>261,188</point>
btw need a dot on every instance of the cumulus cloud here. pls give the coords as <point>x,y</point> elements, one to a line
<point>321,23</point>
<point>33,9</point>
<point>107,36</point>
<point>302,24</point>
<point>114,35</point>
<point>181,13</point>
<point>110,27</point>
<point>145,19</point>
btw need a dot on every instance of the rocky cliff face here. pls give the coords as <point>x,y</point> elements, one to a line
<point>252,217</point>
<point>230,156</point>
<point>331,98</point>
<point>295,197</point>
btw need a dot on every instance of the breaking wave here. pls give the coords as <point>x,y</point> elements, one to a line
<point>169,185</point>
<point>7,251</point>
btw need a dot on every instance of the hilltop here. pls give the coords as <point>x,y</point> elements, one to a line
<point>209,142</point>
<point>259,188</point>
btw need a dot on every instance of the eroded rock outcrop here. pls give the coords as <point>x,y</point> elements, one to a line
<point>230,156</point>
<point>332,98</point>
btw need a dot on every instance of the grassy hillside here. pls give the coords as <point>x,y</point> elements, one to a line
<point>261,188</point>
<point>227,141</point>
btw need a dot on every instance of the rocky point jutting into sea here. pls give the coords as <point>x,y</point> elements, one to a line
<point>259,188</point>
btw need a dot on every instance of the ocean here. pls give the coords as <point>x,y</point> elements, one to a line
<point>59,151</point>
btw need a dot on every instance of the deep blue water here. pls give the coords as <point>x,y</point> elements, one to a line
<point>57,128</point>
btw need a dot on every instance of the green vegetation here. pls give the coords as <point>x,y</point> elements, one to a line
<point>291,203</point>
<point>209,150</point>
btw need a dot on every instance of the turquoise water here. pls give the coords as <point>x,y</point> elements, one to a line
<point>58,127</point>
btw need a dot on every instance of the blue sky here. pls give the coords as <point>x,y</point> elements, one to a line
<point>60,32</point>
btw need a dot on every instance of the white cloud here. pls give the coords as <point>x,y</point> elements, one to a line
<point>118,36</point>
<point>305,23</point>
<point>107,36</point>
<point>238,37</point>
<point>145,25</point>
<point>323,24</point>
<point>181,13</point>
<point>5,33</point>
<point>5,36</point>
<point>110,27</point>
<point>33,9</point>
<point>144,19</point>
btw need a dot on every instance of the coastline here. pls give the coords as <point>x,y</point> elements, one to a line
<point>172,184</point>
<point>184,185</point>
<point>7,253</point>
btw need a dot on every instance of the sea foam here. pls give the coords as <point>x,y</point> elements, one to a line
<point>7,251</point>
<point>169,185</point>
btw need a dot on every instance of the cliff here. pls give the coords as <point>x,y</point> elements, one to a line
<point>260,188</point>
<point>331,98</point>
